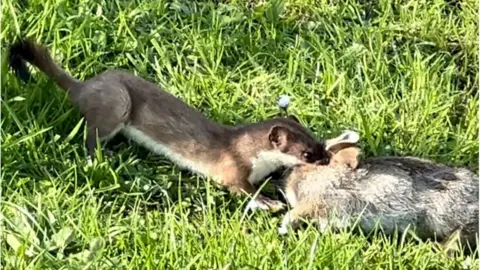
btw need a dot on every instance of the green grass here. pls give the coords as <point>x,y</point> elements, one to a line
<point>402,73</point>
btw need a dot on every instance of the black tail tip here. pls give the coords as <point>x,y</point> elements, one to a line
<point>20,52</point>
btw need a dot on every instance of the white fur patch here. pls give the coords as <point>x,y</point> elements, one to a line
<point>267,162</point>
<point>254,205</point>
<point>291,197</point>
<point>322,225</point>
<point>141,138</point>
<point>286,222</point>
<point>282,230</point>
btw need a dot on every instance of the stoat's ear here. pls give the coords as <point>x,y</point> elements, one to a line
<point>278,137</point>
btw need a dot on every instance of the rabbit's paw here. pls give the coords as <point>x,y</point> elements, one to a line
<point>289,220</point>
<point>322,225</point>
<point>282,230</point>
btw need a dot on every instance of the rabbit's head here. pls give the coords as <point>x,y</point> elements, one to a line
<point>306,182</point>
<point>344,150</point>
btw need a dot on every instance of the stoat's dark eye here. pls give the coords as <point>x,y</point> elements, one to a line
<point>307,155</point>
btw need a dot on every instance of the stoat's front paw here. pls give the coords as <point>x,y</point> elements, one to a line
<point>254,205</point>
<point>264,203</point>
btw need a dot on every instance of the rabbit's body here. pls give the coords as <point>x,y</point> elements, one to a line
<point>397,192</point>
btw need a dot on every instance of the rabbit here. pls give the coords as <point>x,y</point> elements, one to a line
<point>397,192</point>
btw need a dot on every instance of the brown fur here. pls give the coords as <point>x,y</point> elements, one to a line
<point>118,101</point>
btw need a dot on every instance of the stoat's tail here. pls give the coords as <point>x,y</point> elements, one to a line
<point>37,55</point>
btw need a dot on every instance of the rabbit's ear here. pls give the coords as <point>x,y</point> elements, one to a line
<point>346,157</point>
<point>346,139</point>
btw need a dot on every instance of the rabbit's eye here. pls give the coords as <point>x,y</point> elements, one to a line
<point>307,155</point>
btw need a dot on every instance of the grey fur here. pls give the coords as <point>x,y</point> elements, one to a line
<point>397,192</point>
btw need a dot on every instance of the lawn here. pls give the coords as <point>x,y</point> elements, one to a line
<point>402,73</point>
